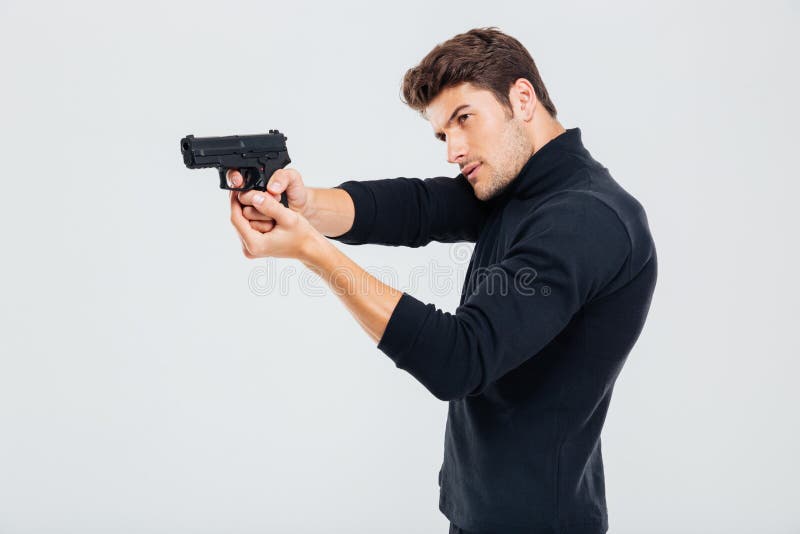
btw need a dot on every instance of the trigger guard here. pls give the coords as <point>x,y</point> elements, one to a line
<point>251,176</point>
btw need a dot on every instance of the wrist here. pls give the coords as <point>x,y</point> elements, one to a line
<point>309,207</point>
<point>313,249</point>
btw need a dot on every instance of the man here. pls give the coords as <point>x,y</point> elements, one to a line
<point>556,294</point>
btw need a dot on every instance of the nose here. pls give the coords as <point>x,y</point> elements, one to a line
<point>456,149</point>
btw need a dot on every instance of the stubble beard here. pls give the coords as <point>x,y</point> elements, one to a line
<point>515,151</point>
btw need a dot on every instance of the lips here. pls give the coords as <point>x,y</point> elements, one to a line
<point>469,170</point>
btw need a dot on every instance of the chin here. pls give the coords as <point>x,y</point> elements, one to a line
<point>487,190</point>
<point>481,193</point>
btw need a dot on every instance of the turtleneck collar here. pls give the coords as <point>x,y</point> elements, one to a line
<point>544,171</point>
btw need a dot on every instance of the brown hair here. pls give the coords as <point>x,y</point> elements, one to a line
<point>485,57</point>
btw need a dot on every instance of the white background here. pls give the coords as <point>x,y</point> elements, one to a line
<point>147,385</point>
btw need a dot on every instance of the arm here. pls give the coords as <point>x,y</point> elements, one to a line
<point>413,212</point>
<point>369,300</point>
<point>397,211</point>
<point>330,211</point>
<point>575,247</point>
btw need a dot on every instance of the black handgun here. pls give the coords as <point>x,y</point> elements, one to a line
<point>255,156</point>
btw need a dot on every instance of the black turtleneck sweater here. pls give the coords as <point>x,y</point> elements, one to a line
<point>556,294</point>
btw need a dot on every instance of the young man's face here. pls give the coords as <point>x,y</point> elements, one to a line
<point>489,146</point>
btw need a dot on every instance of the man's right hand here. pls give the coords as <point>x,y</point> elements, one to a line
<point>289,180</point>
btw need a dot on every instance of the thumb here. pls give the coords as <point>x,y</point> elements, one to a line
<point>270,207</point>
<point>290,182</point>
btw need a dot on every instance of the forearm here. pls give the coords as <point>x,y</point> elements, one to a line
<point>370,301</point>
<point>330,211</point>
<point>412,212</point>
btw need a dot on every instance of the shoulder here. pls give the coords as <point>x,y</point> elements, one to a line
<point>576,214</point>
<point>596,208</point>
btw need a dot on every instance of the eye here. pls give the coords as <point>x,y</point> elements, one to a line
<point>461,120</point>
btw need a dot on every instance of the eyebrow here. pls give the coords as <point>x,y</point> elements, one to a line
<point>452,116</point>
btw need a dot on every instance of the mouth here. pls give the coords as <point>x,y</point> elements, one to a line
<point>470,171</point>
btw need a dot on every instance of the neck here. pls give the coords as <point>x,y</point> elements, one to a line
<point>543,129</point>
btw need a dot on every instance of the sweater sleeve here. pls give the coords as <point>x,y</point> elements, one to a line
<point>562,255</point>
<point>413,212</point>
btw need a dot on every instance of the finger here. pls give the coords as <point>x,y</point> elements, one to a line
<point>267,205</point>
<point>279,181</point>
<point>262,226</point>
<point>286,179</point>
<point>242,225</point>
<point>234,178</point>
<point>246,197</point>
<point>252,214</point>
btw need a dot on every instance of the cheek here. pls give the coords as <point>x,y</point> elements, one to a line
<point>488,144</point>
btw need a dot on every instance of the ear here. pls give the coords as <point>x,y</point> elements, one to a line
<point>523,99</point>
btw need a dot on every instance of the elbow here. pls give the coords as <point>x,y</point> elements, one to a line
<point>455,389</point>
<point>446,394</point>
<point>445,357</point>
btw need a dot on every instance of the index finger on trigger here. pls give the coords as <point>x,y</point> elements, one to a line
<point>233,177</point>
